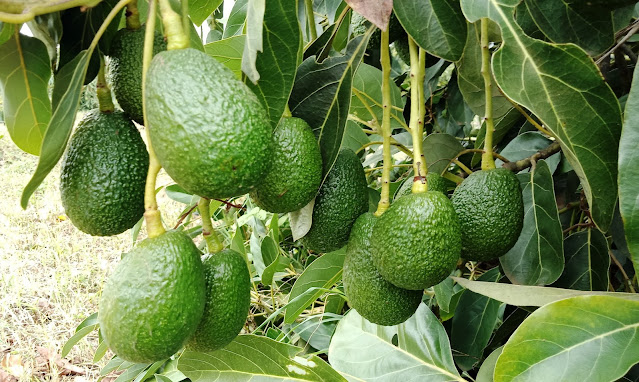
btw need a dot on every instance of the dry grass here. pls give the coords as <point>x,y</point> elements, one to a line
<point>51,274</point>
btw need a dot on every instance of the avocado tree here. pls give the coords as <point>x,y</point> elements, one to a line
<point>434,190</point>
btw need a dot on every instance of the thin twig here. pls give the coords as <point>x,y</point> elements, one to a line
<point>630,29</point>
<point>184,215</point>
<point>578,225</point>
<point>229,204</point>
<point>528,162</point>
<point>623,272</point>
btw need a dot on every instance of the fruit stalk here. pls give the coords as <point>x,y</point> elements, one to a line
<point>173,27</point>
<point>213,242</point>
<point>416,116</point>
<point>310,15</point>
<point>132,15</point>
<point>384,201</point>
<point>103,92</point>
<point>487,160</point>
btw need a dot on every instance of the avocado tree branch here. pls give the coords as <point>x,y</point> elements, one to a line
<point>487,160</point>
<point>623,272</point>
<point>310,15</point>
<point>525,163</point>
<point>213,242</point>
<point>384,201</point>
<point>419,163</point>
<point>132,15</point>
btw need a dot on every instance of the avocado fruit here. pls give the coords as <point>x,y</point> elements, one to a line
<point>434,181</point>
<point>209,131</point>
<point>296,169</point>
<point>341,199</point>
<point>153,302</point>
<point>490,207</point>
<point>228,298</point>
<point>103,174</point>
<point>373,297</point>
<point>125,69</point>
<point>416,243</point>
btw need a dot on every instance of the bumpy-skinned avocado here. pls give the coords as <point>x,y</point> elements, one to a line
<point>126,53</point>
<point>296,169</point>
<point>374,298</point>
<point>491,212</point>
<point>228,298</point>
<point>341,199</point>
<point>154,300</point>
<point>434,181</point>
<point>416,243</point>
<point>103,174</point>
<point>209,131</point>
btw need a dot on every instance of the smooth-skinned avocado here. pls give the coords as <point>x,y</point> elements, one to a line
<point>491,212</point>
<point>373,297</point>
<point>416,243</point>
<point>125,69</point>
<point>341,199</point>
<point>103,174</point>
<point>296,169</point>
<point>228,298</point>
<point>209,131</point>
<point>154,300</point>
<point>434,181</point>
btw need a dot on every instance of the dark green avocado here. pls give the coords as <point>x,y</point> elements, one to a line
<point>103,174</point>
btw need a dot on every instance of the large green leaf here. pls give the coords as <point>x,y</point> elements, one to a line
<point>229,52</point>
<point>473,324</point>
<point>438,26</point>
<point>576,105</point>
<point>366,351</point>
<point>537,258</point>
<point>439,149</point>
<point>24,77</point>
<point>322,95</point>
<point>487,369</point>
<point>199,10</point>
<point>282,43</point>
<point>587,261</point>
<point>258,358</point>
<point>523,295</point>
<point>367,97</point>
<point>629,171</point>
<point>586,339</point>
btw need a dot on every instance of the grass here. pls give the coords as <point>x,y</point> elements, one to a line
<point>51,274</point>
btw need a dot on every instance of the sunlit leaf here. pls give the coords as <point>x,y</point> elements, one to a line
<point>199,10</point>
<point>229,52</point>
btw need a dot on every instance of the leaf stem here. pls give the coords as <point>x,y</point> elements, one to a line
<point>213,242</point>
<point>384,201</point>
<point>487,160</point>
<point>132,15</point>
<point>530,119</point>
<point>463,166</point>
<point>105,101</point>
<point>310,15</point>
<point>107,21</point>
<point>416,117</point>
<point>173,27</point>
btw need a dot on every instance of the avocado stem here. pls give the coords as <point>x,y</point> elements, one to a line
<point>310,15</point>
<point>287,112</point>
<point>132,16</point>
<point>416,117</point>
<point>384,201</point>
<point>487,160</point>
<point>105,101</point>
<point>173,27</point>
<point>213,242</point>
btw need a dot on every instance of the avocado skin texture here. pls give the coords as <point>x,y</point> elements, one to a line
<point>340,201</point>
<point>209,131</point>
<point>374,298</point>
<point>154,300</point>
<point>434,181</point>
<point>296,169</point>
<point>416,243</point>
<point>228,298</point>
<point>491,212</point>
<point>125,66</point>
<point>103,174</point>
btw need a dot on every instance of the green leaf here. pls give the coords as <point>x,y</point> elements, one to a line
<point>100,351</point>
<point>523,295</point>
<point>301,220</point>
<point>322,273</point>
<point>251,357</point>
<point>537,256</point>
<point>576,105</point>
<point>473,324</point>
<point>503,125</point>
<point>317,330</point>
<point>229,52</point>
<point>485,373</point>
<point>237,18</point>
<point>131,372</point>
<point>254,38</point>
<point>354,137</point>
<point>525,145</point>
<point>322,95</point>
<point>199,10</point>
<point>439,149</point>
<point>6,31</point>
<point>366,351</point>
<point>629,171</point>
<point>282,50</point>
<point>279,265</point>
<point>69,84</point>
<point>448,294</point>
<point>367,97</point>
<point>587,261</point>
<point>591,338</point>
<point>24,77</point>
<point>76,337</point>
<point>179,194</point>
<point>438,26</point>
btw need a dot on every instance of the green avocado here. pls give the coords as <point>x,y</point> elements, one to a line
<point>103,174</point>
<point>154,300</point>
<point>374,298</point>
<point>209,131</point>
<point>125,67</point>
<point>416,243</point>
<point>341,199</point>
<point>491,212</point>
<point>228,298</point>
<point>296,169</point>
<point>434,181</point>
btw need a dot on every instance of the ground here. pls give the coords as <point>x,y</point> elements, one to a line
<point>51,275</point>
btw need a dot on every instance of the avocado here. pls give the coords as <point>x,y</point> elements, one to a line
<point>491,212</point>
<point>209,131</point>
<point>374,298</point>
<point>154,300</point>
<point>103,174</point>
<point>228,298</point>
<point>416,243</point>
<point>296,169</point>
<point>434,181</point>
<point>341,199</point>
<point>125,69</point>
